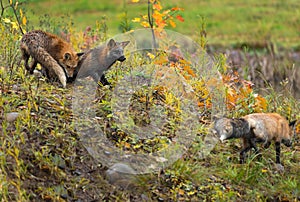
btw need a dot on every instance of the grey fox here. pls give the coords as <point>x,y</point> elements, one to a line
<point>96,61</point>
<point>257,127</point>
<point>56,56</point>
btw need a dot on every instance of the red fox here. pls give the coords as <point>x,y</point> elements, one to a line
<point>56,56</point>
<point>257,127</point>
<point>96,61</point>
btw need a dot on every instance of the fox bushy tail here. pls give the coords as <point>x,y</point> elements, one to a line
<point>47,61</point>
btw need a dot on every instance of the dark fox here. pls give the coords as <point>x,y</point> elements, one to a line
<point>96,61</point>
<point>56,56</point>
<point>257,127</point>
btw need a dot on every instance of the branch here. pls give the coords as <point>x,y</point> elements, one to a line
<point>150,19</point>
<point>150,15</point>
<point>2,8</point>
<point>17,18</point>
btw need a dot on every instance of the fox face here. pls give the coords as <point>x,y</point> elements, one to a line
<point>223,128</point>
<point>227,128</point>
<point>69,62</point>
<point>116,50</point>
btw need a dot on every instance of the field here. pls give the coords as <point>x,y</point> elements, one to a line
<point>148,136</point>
<point>227,22</point>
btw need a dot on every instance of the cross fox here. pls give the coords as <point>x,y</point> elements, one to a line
<point>257,127</point>
<point>56,56</point>
<point>96,61</point>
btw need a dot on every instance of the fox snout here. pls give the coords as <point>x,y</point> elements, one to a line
<point>223,138</point>
<point>122,58</point>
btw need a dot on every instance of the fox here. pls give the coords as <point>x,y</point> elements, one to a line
<point>256,127</point>
<point>57,57</point>
<point>96,61</point>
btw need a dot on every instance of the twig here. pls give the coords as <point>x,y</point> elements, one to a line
<point>150,19</point>
<point>2,8</point>
<point>17,18</point>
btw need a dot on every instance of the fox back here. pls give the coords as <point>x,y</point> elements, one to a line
<point>50,51</point>
<point>257,127</point>
<point>96,61</point>
<point>270,127</point>
<point>262,126</point>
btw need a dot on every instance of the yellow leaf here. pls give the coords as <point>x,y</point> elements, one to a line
<point>6,20</point>
<point>264,170</point>
<point>10,2</point>
<point>135,1</point>
<point>21,13</point>
<point>145,17</point>
<point>145,24</point>
<point>15,25</point>
<point>136,20</point>
<point>24,20</point>
<point>172,23</point>
<point>150,55</point>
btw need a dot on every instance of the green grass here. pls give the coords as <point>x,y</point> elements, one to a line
<point>43,159</point>
<point>228,22</point>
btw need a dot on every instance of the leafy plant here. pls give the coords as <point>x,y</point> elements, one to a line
<point>158,18</point>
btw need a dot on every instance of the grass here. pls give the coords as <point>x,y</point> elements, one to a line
<point>43,159</point>
<point>227,22</point>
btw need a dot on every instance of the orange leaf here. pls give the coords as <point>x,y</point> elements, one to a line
<point>181,191</point>
<point>127,145</point>
<point>177,9</point>
<point>172,23</point>
<point>157,16</point>
<point>180,18</point>
<point>157,6</point>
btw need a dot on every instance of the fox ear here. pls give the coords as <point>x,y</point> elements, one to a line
<point>111,43</point>
<point>124,43</point>
<point>67,56</point>
<point>80,54</point>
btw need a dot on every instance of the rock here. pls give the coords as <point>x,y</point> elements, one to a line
<point>15,87</point>
<point>279,168</point>
<point>121,174</point>
<point>12,116</point>
<point>37,73</point>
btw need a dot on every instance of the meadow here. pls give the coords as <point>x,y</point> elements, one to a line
<point>227,22</point>
<point>46,154</point>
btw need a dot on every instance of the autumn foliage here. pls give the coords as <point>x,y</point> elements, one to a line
<point>239,93</point>
<point>158,17</point>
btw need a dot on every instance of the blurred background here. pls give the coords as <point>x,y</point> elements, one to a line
<point>259,38</point>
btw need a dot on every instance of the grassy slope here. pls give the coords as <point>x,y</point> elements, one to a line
<point>228,22</point>
<point>42,158</point>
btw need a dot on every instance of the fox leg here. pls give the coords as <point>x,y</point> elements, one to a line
<point>243,154</point>
<point>267,145</point>
<point>26,58</point>
<point>277,149</point>
<point>95,77</point>
<point>104,81</point>
<point>253,145</point>
<point>32,65</point>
